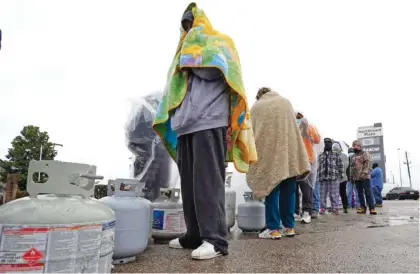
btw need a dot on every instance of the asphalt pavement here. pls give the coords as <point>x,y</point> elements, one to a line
<point>387,242</point>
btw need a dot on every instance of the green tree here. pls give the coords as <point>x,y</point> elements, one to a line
<point>26,147</point>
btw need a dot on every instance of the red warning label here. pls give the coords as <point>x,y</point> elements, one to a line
<point>32,255</point>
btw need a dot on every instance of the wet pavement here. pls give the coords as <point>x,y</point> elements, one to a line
<point>388,242</point>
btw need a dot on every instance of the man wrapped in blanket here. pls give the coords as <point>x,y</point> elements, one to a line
<point>202,120</point>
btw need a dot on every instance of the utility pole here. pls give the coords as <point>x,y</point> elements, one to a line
<point>399,163</point>
<point>407,162</point>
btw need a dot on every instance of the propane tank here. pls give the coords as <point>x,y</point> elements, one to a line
<point>168,216</point>
<point>230,203</point>
<point>58,228</point>
<point>251,214</point>
<point>132,228</point>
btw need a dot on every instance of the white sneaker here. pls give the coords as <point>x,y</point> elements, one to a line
<point>175,244</point>
<point>297,217</point>
<point>270,234</point>
<point>306,218</point>
<point>205,251</point>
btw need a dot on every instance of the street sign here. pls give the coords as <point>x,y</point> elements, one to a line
<point>366,132</point>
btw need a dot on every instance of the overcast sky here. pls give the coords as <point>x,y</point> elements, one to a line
<point>71,66</point>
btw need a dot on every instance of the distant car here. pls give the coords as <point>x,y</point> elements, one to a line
<point>386,189</point>
<point>403,193</point>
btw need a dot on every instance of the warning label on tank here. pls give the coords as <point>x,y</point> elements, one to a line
<point>58,248</point>
<point>23,249</point>
<point>171,220</point>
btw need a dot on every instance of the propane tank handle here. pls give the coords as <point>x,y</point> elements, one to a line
<point>121,191</point>
<point>109,191</point>
<point>64,178</point>
<point>91,176</point>
<point>172,194</point>
<point>228,180</point>
<point>175,195</point>
<point>248,196</point>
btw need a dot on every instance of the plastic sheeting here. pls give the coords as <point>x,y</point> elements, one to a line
<point>152,164</point>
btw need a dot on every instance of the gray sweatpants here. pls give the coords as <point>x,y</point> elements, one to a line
<point>201,163</point>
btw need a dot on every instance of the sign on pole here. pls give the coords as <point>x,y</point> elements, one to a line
<point>372,141</point>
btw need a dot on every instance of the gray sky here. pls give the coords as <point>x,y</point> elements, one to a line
<point>70,67</point>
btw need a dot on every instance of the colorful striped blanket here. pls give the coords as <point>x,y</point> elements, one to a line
<point>203,46</point>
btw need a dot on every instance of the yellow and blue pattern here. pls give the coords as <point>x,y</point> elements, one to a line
<point>203,46</point>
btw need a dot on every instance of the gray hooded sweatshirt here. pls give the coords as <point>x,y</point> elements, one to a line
<point>205,105</point>
<point>337,148</point>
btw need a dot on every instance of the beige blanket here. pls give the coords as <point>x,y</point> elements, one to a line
<point>280,148</point>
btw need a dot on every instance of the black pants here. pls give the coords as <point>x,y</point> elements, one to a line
<point>343,194</point>
<point>307,198</point>
<point>201,163</point>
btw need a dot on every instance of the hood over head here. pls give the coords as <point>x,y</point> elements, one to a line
<point>187,17</point>
<point>336,147</point>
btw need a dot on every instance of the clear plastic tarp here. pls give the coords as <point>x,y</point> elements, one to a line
<point>152,164</point>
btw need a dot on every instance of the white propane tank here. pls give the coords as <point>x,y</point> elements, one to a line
<point>58,228</point>
<point>230,202</point>
<point>251,214</point>
<point>168,216</point>
<point>132,228</point>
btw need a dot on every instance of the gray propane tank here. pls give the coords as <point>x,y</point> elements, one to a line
<point>168,216</point>
<point>132,228</point>
<point>230,202</point>
<point>251,214</point>
<point>58,228</point>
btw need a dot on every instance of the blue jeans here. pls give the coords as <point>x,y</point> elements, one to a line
<point>364,189</point>
<point>351,188</point>
<point>377,193</point>
<point>316,197</point>
<point>280,205</point>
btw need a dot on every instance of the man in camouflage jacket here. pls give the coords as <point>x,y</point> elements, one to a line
<point>360,174</point>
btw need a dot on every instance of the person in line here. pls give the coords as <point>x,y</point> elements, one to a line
<point>343,184</point>
<point>377,183</point>
<point>330,174</point>
<point>281,159</point>
<point>310,137</point>
<point>202,118</point>
<point>152,163</point>
<point>352,195</point>
<point>316,204</point>
<point>360,172</point>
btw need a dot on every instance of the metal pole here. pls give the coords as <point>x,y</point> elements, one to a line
<point>408,167</point>
<point>399,163</point>
<point>40,158</point>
